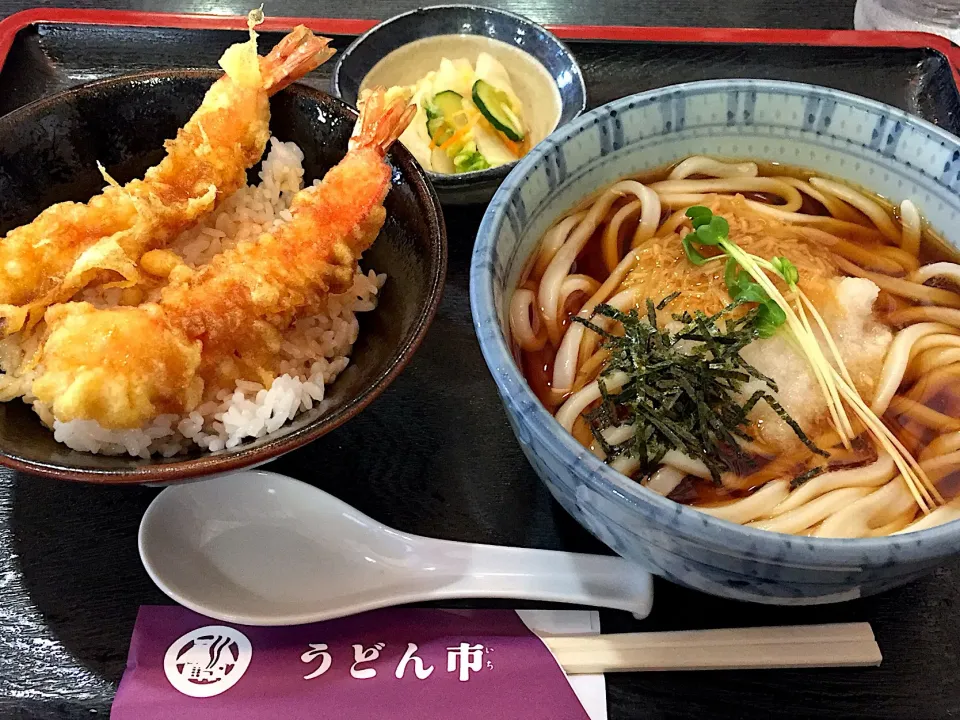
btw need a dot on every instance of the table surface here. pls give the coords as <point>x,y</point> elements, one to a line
<point>66,582</point>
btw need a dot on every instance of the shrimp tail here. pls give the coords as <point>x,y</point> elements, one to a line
<point>381,122</point>
<point>299,52</point>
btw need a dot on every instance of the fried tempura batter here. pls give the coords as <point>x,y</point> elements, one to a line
<point>97,361</point>
<point>70,245</point>
<point>663,267</point>
<point>124,366</point>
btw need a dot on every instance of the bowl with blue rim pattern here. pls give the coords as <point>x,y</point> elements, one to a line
<point>838,134</point>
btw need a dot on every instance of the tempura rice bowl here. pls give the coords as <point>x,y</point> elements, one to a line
<point>334,363</point>
<point>839,135</point>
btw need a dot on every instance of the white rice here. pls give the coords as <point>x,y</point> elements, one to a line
<point>313,353</point>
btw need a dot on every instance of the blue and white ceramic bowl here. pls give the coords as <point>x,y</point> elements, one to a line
<point>841,135</point>
<point>461,26</point>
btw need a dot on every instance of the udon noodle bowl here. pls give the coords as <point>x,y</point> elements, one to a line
<point>774,348</point>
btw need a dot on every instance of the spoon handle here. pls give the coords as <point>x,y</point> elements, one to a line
<point>487,571</point>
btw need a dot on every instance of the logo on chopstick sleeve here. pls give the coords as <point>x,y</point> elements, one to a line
<point>207,661</point>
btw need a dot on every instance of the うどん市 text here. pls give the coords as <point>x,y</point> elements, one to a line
<point>463,659</point>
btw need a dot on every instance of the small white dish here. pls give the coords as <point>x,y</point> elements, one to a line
<point>404,48</point>
<point>257,548</point>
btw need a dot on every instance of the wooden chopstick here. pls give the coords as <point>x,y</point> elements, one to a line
<point>758,648</point>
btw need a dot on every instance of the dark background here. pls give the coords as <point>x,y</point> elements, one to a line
<point>71,581</point>
<point>829,14</point>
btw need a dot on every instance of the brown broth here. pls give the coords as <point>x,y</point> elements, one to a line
<point>537,368</point>
<point>590,260</point>
<point>704,493</point>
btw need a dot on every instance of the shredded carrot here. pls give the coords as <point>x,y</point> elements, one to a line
<point>469,119</point>
<point>458,135</point>
<point>515,147</point>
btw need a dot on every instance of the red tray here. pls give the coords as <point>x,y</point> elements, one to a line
<point>72,580</point>
<point>13,24</point>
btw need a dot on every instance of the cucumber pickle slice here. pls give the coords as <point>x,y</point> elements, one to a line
<point>494,104</point>
<point>441,113</point>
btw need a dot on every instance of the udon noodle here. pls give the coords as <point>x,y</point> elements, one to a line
<point>875,452</point>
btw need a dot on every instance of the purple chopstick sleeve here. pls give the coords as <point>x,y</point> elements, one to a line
<point>421,664</point>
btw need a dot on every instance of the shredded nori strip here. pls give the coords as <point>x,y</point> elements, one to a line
<point>681,397</point>
<point>805,476</point>
<point>778,409</point>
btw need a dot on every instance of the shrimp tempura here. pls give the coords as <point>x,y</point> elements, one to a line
<point>224,322</point>
<point>70,245</point>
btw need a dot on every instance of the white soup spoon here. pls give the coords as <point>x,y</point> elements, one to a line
<point>258,548</point>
